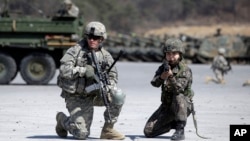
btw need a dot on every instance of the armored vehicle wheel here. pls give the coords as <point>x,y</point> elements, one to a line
<point>37,69</point>
<point>8,68</point>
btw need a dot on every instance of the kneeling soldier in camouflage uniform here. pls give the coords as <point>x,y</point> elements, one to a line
<point>220,67</point>
<point>78,80</point>
<point>175,79</point>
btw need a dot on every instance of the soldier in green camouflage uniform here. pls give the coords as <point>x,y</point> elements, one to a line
<point>77,73</point>
<point>220,67</point>
<point>175,79</point>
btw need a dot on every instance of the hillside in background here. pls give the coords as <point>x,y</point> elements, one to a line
<point>144,17</point>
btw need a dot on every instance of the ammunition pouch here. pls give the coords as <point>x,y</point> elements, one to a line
<point>189,93</point>
<point>67,85</point>
<point>71,86</point>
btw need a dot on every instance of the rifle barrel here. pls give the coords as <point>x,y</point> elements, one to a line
<point>116,59</point>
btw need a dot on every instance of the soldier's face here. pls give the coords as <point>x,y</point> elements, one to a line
<point>173,57</point>
<point>94,41</point>
<point>68,6</point>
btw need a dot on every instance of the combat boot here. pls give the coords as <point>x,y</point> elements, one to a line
<point>222,82</point>
<point>60,130</point>
<point>208,79</point>
<point>179,133</point>
<point>109,133</point>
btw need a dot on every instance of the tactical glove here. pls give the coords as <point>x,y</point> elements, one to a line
<point>90,72</point>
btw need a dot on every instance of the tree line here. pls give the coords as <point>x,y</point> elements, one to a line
<point>126,16</point>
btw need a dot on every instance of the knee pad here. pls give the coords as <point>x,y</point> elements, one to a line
<point>117,96</point>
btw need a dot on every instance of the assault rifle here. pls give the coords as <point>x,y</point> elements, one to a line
<point>103,80</point>
<point>165,66</point>
<point>229,67</point>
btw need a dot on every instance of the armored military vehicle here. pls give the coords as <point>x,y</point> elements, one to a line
<point>236,50</point>
<point>203,50</point>
<point>137,48</point>
<point>197,50</point>
<point>34,46</point>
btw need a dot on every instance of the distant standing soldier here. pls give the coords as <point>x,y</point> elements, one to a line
<point>68,9</point>
<point>80,88</point>
<point>175,79</point>
<point>220,66</point>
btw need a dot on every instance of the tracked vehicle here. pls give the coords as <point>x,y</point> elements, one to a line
<point>203,50</point>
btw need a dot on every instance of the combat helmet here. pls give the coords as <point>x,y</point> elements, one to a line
<point>173,45</point>
<point>221,50</point>
<point>67,1</point>
<point>96,28</point>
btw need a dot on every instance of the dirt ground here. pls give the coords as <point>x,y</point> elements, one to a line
<point>28,111</point>
<point>202,30</point>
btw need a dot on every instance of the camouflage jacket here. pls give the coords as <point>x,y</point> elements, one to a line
<point>80,56</point>
<point>220,63</point>
<point>180,83</point>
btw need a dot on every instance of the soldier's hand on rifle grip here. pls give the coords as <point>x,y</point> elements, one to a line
<point>166,74</point>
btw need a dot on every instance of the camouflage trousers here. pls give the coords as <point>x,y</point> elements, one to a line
<point>166,117</point>
<point>219,76</point>
<point>81,111</point>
